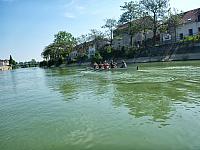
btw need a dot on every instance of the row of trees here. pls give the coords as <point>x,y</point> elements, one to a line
<point>64,43</point>
<point>142,15</point>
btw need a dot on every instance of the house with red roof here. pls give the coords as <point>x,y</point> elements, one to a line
<point>190,24</point>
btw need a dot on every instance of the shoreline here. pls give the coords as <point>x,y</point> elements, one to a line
<point>5,68</point>
<point>174,57</point>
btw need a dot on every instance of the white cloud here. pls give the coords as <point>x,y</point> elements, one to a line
<point>69,15</point>
<point>75,7</point>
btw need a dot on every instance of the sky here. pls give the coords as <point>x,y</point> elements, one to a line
<point>27,26</point>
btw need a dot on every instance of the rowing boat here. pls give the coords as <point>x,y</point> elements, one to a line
<point>110,69</point>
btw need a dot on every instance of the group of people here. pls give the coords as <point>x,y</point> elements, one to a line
<point>107,66</point>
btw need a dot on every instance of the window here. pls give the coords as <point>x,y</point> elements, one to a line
<point>198,18</point>
<point>190,32</point>
<point>199,29</point>
<point>181,36</point>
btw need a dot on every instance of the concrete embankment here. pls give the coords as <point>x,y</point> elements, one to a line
<point>174,57</point>
<point>4,68</point>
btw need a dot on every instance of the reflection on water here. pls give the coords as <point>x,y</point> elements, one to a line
<point>73,108</point>
<point>153,91</point>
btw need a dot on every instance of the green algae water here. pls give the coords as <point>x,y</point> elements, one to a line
<point>157,107</point>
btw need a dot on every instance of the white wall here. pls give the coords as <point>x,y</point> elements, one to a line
<point>73,54</point>
<point>185,27</point>
<point>91,51</point>
<point>125,39</point>
<point>1,63</point>
<point>4,63</point>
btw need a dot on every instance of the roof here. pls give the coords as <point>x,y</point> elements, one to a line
<point>191,16</point>
<point>4,60</point>
<point>139,21</point>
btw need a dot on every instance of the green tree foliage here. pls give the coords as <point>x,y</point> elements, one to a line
<point>82,58</point>
<point>110,25</point>
<point>64,42</point>
<point>57,51</point>
<point>49,52</point>
<point>157,9</point>
<point>12,62</point>
<point>82,42</point>
<point>96,36</point>
<point>175,19</point>
<point>131,13</point>
<point>97,57</point>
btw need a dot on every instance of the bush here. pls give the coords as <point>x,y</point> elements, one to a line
<point>50,63</point>
<point>97,58</point>
<point>82,58</point>
<point>194,38</point>
<point>43,63</point>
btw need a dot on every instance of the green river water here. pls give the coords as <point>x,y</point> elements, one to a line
<point>155,108</point>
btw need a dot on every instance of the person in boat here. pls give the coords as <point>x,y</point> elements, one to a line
<point>95,66</point>
<point>124,65</point>
<point>101,65</point>
<point>106,65</point>
<point>137,68</point>
<point>113,64</point>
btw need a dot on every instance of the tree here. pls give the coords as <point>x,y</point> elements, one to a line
<point>63,44</point>
<point>82,43</point>
<point>157,10</point>
<point>82,39</point>
<point>131,13</point>
<point>174,20</point>
<point>96,36</point>
<point>49,52</point>
<point>97,57</point>
<point>110,24</point>
<point>12,61</point>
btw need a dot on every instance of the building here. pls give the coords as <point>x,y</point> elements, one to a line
<point>122,38</point>
<point>190,24</point>
<point>88,48</point>
<point>91,50</point>
<point>4,62</point>
<point>73,54</point>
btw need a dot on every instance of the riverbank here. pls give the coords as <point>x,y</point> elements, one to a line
<point>174,57</point>
<point>4,68</point>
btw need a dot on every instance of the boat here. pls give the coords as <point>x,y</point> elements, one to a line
<point>109,69</point>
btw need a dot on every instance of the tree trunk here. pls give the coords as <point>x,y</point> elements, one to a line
<point>131,36</point>
<point>154,29</point>
<point>131,41</point>
<point>175,33</point>
<point>111,37</point>
<point>145,37</point>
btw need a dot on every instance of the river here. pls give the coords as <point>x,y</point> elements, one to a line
<point>156,107</point>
